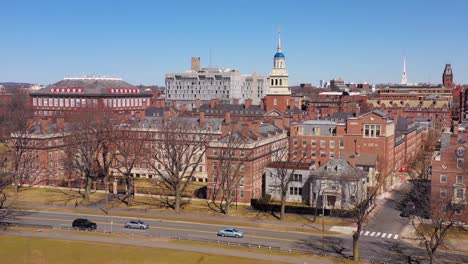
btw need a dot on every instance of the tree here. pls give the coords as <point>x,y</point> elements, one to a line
<point>5,175</point>
<point>130,151</point>
<point>177,149</point>
<point>284,167</point>
<point>230,158</point>
<point>18,135</point>
<point>89,146</point>
<point>432,233</point>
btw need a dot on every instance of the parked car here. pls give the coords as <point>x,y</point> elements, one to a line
<point>136,224</point>
<point>81,223</point>
<point>230,232</point>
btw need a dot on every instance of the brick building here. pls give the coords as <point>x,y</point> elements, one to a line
<point>254,146</point>
<point>75,94</point>
<point>449,178</point>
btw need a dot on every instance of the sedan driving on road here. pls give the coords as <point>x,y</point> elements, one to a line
<point>230,232</point>
<point>81,223</point>
<point>138,224</point>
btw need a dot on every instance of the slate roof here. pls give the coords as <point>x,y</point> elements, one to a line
<point>90,86</point>
<point>236,109</point>
<point>336,169</point>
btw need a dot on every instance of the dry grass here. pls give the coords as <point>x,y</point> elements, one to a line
<point>51,196</point>
<point>14,249</point>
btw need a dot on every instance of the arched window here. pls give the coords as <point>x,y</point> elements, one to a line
<point>281,81</point>
<point>281,64</point>
<point>276,81</point>
<point>271,81</point>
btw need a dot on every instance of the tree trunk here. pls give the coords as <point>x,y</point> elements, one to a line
<point>177,200</point>
<point>356,248</point>
<point>130,188</point>
<point>89,183</point>
<point>283,206</point>
<point>228,204</point>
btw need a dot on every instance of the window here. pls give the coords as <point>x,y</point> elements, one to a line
<point>304,154</point>
<point>443,193</point>
<point>459,179</point>
<point>314,142</point>
<point>297,177</point>
<point>295,142</point>
<point>67,102</point>
<point>460,162</point>
<point>83,102</point>
<point>371,130</point>
<point>200,168</point>
<point>295,191</point>
<point>34,101</point>
<point>275,102</point>
<point>39,101</point>
<point>460,193</point>
<point>72,102</point>
<point>323,154</point>
<point>323,143</point>
<point>443,178</point>
<point>215,152</point>
<point>56,102</point>
<point>215,165</point>
<point>313,155</point>
<point>61,102</point>
<point>242,154</point>
<point>332,154</point>
<point>51,102</point>
<point>341,143</point>
<point>241,181</point>
<point>304,143</point>
<point>332,143</point>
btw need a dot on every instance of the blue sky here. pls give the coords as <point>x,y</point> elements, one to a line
<point>140,41</point>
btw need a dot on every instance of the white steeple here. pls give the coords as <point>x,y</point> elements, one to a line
<point>278,79</point>
<point>403,74</point>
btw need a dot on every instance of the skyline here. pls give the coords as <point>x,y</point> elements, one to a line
<point>140,42</point>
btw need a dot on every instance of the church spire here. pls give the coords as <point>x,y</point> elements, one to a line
<point>403,74</point>
<point>279,42</point>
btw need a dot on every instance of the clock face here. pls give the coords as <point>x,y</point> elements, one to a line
<point>460,152</point>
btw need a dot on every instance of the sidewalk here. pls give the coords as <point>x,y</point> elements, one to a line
<point>173,246</point>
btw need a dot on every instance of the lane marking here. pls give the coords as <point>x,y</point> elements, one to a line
<point>378,234</point>
<point>395,237</point>
<point>383,235</point>
<point>367,233</point>
<point>372,234</point>
<point>389,235</point>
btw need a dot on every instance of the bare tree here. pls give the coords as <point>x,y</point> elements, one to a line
<point>89,146</point>
<point>230,158</point>
<point>130,151</point>
<point>432,233</point>
<point>284,166</point>
<point>18,130</point>
<point>5,175</point>
<point>178,148</point>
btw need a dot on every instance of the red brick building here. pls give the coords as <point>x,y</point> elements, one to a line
<point>75,94</point>
<point>254,146</point>
<point>449,171</point>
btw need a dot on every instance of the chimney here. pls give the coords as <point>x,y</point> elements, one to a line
<point>174,104</point>
<point>60,122</point>
<point>455,129</point>
<point>195,64</point>
<point>352,160</point>
<point>245,130</point>
<point>197,103</point>
<point>358,111</point>
<point>262,105</point>
<point>202,119</point>
<point>166,116</point>
<point>227,120</point>
<point>247,103</point>
<point>213,103</point>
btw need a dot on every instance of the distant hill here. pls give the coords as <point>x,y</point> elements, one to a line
<point>12,85</point>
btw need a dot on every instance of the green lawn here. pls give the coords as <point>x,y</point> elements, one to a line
<point>15,249</point>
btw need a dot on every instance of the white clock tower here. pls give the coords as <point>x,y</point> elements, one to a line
<point>278,79</point>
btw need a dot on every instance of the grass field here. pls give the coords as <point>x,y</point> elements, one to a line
<point>14,249</point>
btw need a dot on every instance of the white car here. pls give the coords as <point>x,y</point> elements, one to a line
<point>138,224</point>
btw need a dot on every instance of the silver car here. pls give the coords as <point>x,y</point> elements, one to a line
<point>138,224</point>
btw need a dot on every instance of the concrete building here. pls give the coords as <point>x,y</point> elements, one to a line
<point>184,89</point>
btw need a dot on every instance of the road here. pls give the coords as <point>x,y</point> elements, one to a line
<point>372,248</point>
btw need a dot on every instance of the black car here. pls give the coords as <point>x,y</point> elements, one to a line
<point>81,223</point>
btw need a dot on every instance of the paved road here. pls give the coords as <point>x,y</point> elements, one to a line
<point>372,248</point>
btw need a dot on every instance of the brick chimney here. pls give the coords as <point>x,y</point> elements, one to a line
<point>197,103</point>
<point>213,103</point>
<point>202,119</point>
<point>245,130</point>
<point>262,105</point>
<point>248,103</point>
<point>227,120</point>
